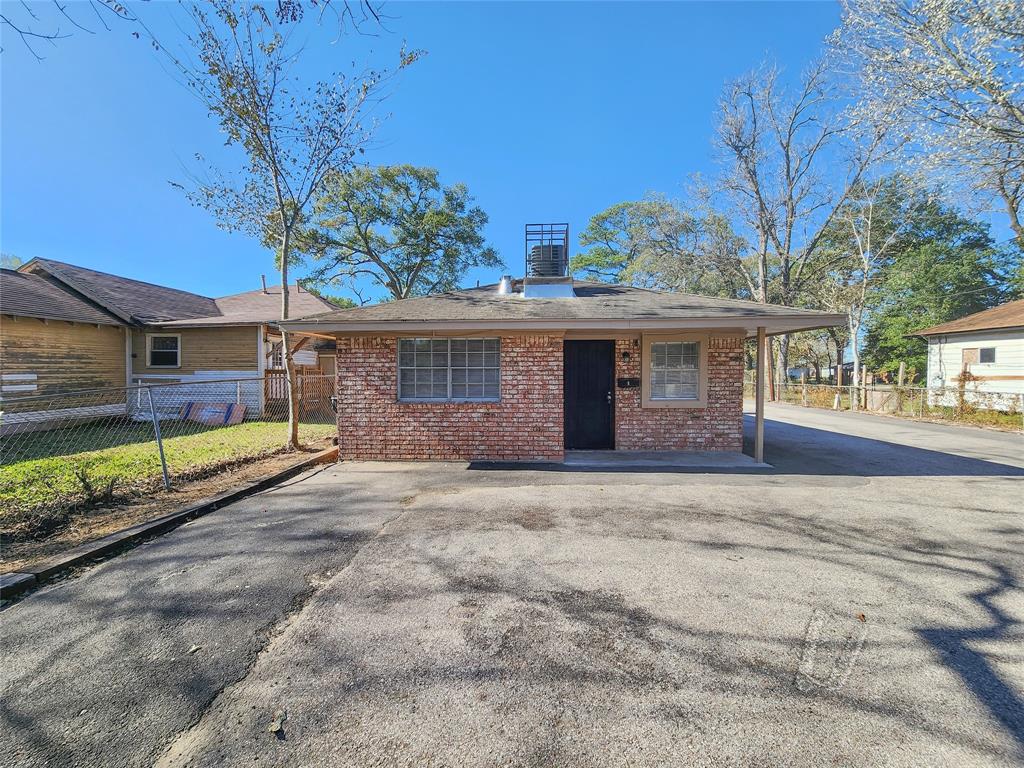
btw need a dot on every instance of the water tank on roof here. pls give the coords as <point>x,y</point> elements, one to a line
<point>547,250</point>
<point>546,261</point>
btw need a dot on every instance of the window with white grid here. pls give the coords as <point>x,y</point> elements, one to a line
<point>675,368</point>
<point>449,369</point>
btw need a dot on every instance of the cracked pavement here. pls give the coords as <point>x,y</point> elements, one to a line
<point>860,605</point>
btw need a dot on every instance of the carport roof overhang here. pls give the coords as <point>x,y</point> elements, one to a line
<point>747,323</point>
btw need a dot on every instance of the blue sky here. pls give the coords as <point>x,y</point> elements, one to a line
<point>547,111</point>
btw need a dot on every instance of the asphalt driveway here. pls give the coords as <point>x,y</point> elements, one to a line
<point>859,605</point>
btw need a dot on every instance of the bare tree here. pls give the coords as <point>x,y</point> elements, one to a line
<point>953,71</point>
<point>789,160</point>
<point>859,244</point>
<point>37,23</point>
<point>293,137</point>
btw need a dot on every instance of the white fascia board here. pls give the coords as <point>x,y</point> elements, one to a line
<point>773,325</point>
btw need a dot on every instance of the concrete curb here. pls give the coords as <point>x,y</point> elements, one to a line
<point>16,582</point>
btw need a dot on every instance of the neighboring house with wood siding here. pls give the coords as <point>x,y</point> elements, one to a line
<point>989,346</point>
<point>65,328</point>
<point>51,338</point>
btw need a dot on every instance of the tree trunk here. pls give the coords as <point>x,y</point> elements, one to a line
<point>854,348</point>
<point>782,363</point>
<point>286,351</point>
<point>1013,211</point>
<point>293,393</point>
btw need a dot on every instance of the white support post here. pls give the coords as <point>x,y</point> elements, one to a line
<point>759,398</point>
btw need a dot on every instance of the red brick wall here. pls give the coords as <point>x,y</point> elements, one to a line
<point>719,427</point>
<point>525,425</point>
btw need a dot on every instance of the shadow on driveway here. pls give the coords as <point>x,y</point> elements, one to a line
<point>800,450</point>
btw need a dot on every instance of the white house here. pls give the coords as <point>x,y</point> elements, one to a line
<point>987,345</point>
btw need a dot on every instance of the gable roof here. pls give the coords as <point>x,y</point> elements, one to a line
<point>32,295</point>
<point>260,307</point>
<point>1004,316</point>
<point>130,300</point>
<point>596,305</point>
<point>138,302</point>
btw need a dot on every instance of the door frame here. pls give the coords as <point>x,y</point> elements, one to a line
<point>611,388</point>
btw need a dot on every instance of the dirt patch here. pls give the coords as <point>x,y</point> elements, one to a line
<point>534,519</point>
<point>97,522</point>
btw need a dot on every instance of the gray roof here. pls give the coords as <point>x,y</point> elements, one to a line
<point>134,301</point>
<point>32,295</point>
<point>131,300</point>
<point>259,307</point>
<point>595,305</point>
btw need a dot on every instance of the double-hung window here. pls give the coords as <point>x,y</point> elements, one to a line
<point>675,366</point>
<point>675,370</point>
<point>163,350</point>
<point>449,369</point>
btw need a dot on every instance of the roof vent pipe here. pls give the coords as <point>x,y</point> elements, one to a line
<point>505,286</point>
<point>263,279</point>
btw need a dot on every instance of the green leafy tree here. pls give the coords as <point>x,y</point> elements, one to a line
<point>858,245</point>
<point>943,267</point>
<point>341,302</point>
<point>654,243</point>
<point>398,227</point>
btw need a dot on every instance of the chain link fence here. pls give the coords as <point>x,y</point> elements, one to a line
<point>965,405</point>
<point>72,450</point>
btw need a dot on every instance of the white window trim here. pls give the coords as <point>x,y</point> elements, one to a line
<point>449,399</point>
<point>701,401</point>
<point>149,348</point>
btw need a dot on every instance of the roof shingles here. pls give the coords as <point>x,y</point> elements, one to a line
<point>1004,316</point>
<point>593,302</point>
<point>99,294</point>
<point>259,307</point>
<point>30,295</point>
<point>127,298</point>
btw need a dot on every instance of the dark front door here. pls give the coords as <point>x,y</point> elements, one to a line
<point>589,395</point>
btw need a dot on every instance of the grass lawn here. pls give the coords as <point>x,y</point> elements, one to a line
<point>37,493</point>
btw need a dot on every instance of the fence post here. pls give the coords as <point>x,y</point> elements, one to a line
<point>238,392</point>
<point>803,387</point>
<point>159,439</point>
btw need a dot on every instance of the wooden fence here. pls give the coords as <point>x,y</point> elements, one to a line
<point>315,390</point>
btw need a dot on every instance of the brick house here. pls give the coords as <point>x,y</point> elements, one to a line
<point>528,369</point>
